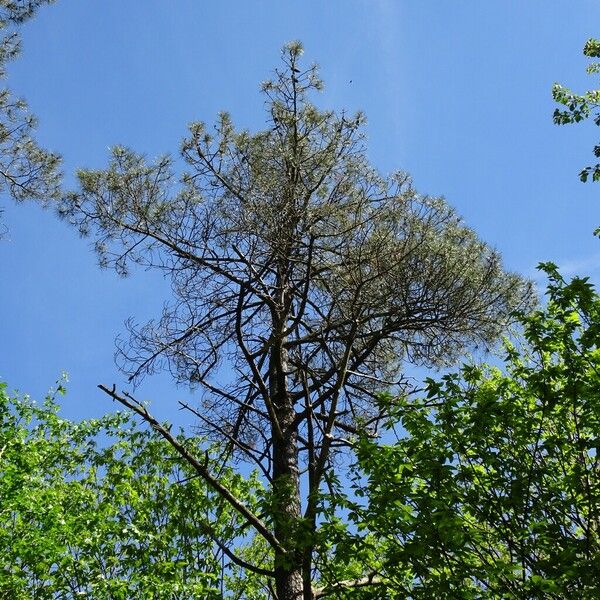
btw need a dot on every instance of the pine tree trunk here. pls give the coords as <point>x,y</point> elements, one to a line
<point>286,484</point>
<point>286,511</point>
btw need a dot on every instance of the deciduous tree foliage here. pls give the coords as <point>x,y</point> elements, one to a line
<point>302,279</point>
<point>493,487</point>
<point>100,509</point>
<point>581,107</point>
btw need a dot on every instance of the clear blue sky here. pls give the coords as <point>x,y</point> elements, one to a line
<point>457,93</point>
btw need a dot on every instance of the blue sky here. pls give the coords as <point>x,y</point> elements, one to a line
<point>456,93</point>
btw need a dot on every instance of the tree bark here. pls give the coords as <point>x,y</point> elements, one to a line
<point>286,508</point>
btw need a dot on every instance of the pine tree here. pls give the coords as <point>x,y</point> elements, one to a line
<point>26,170</point>
<point>302,281</point>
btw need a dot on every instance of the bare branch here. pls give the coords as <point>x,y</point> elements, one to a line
<point>369,580</point>
<point>202,470</point>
